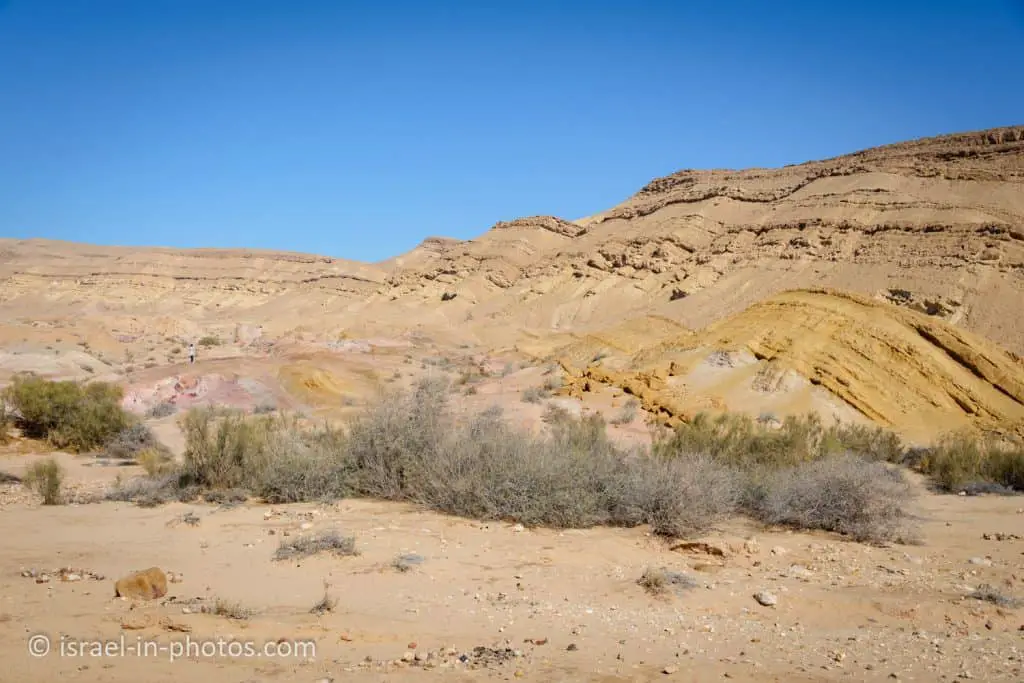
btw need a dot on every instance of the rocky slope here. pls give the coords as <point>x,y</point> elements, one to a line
<point>935,226</point>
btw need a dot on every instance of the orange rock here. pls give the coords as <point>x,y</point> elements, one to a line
<point>148,584</point>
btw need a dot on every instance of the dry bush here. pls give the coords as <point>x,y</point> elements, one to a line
<point>306,465</point>
<point>988,593</point>
<point>628,413</point>
<point>155,461</point>
<point>846,494</point>
<point>5,422</point>
<point>162,409</point>
<point>411,446</point>
<point>326,603</point>
<point>298,547</point>
<point>535,395</point>
<point>79,417</point>
<point>661,582</point>
<point>131,441</point>
<point>152,491</point>
<point>405,563</point>
<point>46,477</point>
<point>231,609</point>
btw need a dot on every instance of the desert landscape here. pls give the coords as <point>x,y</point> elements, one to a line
<point>755,425</point>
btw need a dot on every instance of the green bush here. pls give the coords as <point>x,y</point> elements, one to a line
<point>46,477</point>
<point>747,443</point>
<point>79,417</point>
<point>5,422</point>
<point>208,341</point>
<point>962,460</point>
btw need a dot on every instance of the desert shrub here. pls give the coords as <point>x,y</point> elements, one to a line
<point>390,443</point>
<point>131,441</point>
<point>153,490</point>
<point>681,496</point>
<point>306,465</point>
<point>411,446</point>
<point>553,383</point>
<point>208,341</point>
<point>5,422</point>
<point>661,582</point>
<point>872,442</point>
<point>298,547</point>
<point>748,443</point>
<point>988,593</point>
<point>226,449</point>
<point>535,395</point>
<point>846,494</point>
<point>80,417</point>
<point>45,477</point>
<point>628,413</point>
<point>961,461</point>
<point>155,461</point>
<point>162,409</point>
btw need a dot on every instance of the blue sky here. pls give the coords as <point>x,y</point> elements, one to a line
<point>356,129</point>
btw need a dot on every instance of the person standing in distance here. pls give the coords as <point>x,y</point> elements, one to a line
<point>192,353</point>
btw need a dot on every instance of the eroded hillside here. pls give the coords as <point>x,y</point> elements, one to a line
<point>933,229</point>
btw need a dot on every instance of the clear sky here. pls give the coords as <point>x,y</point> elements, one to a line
<point>356,129</point>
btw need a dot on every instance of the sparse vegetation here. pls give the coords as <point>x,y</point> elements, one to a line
<point>46,478</point>
<point>661,582</point>
<point>79,417</point>
<point>299,547</point>
<point>162,409</point>
<point>987,593</point>
<point>326,603</point>
<point>628,413</point>
<point>5,422</point>
<point>553,383</point>
<point>535,395</point>
<point>843,493</point>
<point>131,441</point>
<point>231,610</point>
<point>155,461</point>
<point>411,446</point>
<point>963,461</point>
<point>208,341</point>
<point>405,563</point>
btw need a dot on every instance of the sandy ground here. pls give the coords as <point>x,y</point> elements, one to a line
<point>565,605</point>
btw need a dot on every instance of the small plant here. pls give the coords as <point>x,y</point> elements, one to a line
<point>535,395</point>
<point>661,582</point>
<point>162,409</point>
<point>208,341</point>
<point>155,461</point>
<point>5,423</point>
<point>264,408</point>
<point>553,383</point>
<point>46,477</point>
<point>987,593</point>
<point>131,442</point>
<point>306,546</point>
<point>406,562</point>
<point>326,603</point>
<point>628,413</point>
<point>231,610</point>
